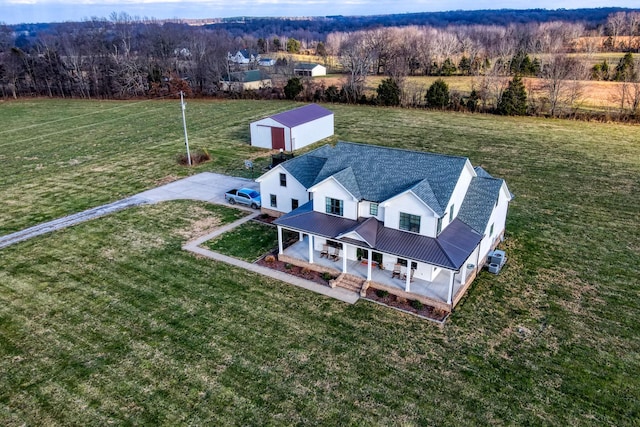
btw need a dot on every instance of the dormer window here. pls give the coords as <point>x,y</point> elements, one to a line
<point>451,213</point>
<point>334,206</point>
<point>409,222</point>
<point>439,227</point>
<point>373,209</point>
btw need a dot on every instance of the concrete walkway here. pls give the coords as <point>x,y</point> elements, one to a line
<point>194,247</point>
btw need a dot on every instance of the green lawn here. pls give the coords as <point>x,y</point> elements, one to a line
<point>248,241</point>
<point>111,322</point>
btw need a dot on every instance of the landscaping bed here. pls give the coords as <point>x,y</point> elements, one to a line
<point>294,270</point>
<point>411,306</point>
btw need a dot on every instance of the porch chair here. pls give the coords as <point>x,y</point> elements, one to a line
<point>325,251</point>
<point>335,256</point>
<point>404,276</point>
<point>396,271</point>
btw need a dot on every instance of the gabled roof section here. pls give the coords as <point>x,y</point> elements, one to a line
<point>348,180</point>
<point>301,115</point>
<point>424,192</point>
<point>479,202</point>
<point>367,230</point>
<point>304,168</point>
<point>481,172</point>
<point>383,172</point>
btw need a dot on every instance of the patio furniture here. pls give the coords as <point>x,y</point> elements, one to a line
<point>396,271</point>
<point>404,275</point>
<point>335,256</point>
<point>325,251</point>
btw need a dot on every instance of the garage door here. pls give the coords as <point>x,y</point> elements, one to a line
<point>277,138</point>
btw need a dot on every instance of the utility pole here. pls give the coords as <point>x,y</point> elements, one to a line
<point>184,124</point>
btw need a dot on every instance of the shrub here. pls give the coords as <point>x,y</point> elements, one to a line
<point>198,155</point>
<point>327,276</point>
<point>305,270</point>
<point>270,259</point>
<point>381,293</point>
<point>288,266</point>
<point>416,304</point>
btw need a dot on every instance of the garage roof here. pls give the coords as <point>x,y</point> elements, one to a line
<point>298,116</point>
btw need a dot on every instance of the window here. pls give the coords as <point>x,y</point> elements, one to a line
<point>373,209</point>
<point>294,204</point>
<point>451,213</point>
<point>283,180</point>
<point>409,222</point>
<point>334,206</point>
<point>491,230</point>
<point>274,201</point>
<point>497,199</point>
<point>439,226</point>
<point>403,262</point>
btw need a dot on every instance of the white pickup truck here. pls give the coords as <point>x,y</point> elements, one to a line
<point>244,196</point>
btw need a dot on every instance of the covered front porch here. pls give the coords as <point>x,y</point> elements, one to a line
<point>444,289</point>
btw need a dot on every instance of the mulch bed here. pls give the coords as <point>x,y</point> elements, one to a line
<point>405,305</point>
<point>294,270</point>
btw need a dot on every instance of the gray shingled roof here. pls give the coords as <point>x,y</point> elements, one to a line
<point>298,116</point>
<point>449,250</point>
<point>305,66</point>
<point>379,173</point>
<point>479,201</point>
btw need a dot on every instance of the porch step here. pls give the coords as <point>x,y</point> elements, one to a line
<point>349,282</point>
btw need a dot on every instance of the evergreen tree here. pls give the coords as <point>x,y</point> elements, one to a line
<point>513,101</point>
<point>438,94</point>
<point>388,93</point>
<point>293,46</point>
<point>625,70</point>
<point>293,88</point>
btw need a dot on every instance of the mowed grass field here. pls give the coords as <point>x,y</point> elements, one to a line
<point>110,322</point>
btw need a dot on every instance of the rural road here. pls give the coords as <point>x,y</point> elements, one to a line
<point>205,186</point>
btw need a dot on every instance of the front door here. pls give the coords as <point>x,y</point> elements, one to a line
<point>277,138</point>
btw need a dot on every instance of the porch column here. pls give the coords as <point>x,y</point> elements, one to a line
<point>344,257</point>
<point>280,250</point>
<point>407,284</point>
<point>464,272</point>
<point>310,248</point>
<point>452,275</point>
<point>300,236</point>
<point>370,252</point>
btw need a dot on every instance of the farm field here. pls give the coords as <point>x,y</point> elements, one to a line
<point>111,322</point>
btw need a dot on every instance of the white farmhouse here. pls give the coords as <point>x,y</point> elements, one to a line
<point>293,129</point>
<point>418,225</point>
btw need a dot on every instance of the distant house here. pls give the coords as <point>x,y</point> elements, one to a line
<point>267,62</point>
<point>293,129</point>
<point>418,225</point>
<point>306,69</point>
<point>245,80</point>
<point>244,57</point>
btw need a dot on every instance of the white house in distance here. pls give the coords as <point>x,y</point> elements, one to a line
<point>244,57</point>
<point>307,69</point>
<point>293,129</point>
<point>418,225</point>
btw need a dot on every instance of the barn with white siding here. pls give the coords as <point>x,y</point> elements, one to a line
<point>293,129</point>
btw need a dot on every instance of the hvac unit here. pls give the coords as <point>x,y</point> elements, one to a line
<point>494,268</point>
<point>497,257</point>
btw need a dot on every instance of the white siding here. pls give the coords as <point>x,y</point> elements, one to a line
<point>498,218</point>
<point>330,188</point>
<point>409,203</point>
<point>310,132</point>
<point>270,184</point>
<point>364,209</point>
<point>261,132</point>
<point>457,197</point>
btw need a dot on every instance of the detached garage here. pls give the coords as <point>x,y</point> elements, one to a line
<point>293,129</point>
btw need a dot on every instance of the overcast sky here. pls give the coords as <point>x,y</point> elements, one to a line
<point>20,11</point>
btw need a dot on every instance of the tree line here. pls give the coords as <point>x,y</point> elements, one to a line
<point>125,57</point>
